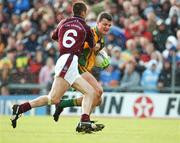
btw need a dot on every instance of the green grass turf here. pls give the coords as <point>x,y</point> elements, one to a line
<point>118,130</point>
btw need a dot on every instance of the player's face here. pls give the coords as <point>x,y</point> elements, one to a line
<point>104,26</point>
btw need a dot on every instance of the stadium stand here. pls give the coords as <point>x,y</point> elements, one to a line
<point>144,44</point>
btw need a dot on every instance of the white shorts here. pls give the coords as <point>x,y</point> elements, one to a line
<point>67,68</point>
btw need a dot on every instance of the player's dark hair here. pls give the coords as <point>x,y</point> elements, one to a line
<point>78,7</point>
<point>104,15</point>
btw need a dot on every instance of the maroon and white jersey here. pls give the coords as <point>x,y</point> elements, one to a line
<point>71,34</point>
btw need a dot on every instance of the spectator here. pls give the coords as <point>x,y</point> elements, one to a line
<point>131,51</point>
<point>25,26</point>
<point>21,76</point>
<point>15,22</point>
<point>174,10</point>
<point>21,56</point>
<point>34,17</point>
<point>155,55</point>
<point>8,8</point>
<point>171,48</point>
<point>114,11</point>
<point>35,65</point>
<point>45,75</point>
<point>165,76</point>
<point>9,59</point>
<point>151,22</point>
<point>110,76</point>
<point>142,30</point>
<point>11,43</point>
<point>134,14</point>
<point>91,19</point>
<point>4,91</point>
<point>142,6</point>
<point>178,35</point>
<point>51,51</point>
<point>126,7</point>
<point>5,33</point>
<point>20,6</point>
<point>118,37</point>
<point>116,59</point>
<point>2,47</point>
<point>149,79</point>
<point>2,16</point>
<point>31,42</point>
<point>50,20</point>
<point>173,24</point>
<point>19,35</point>
<point>130,78</point>
<point>5,75</point>
<point>156,7</point>
<point>161,35</point>
<point>44,31</point>
<point>166,5</point>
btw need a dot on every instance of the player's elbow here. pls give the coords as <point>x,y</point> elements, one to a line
<point>54,36</point>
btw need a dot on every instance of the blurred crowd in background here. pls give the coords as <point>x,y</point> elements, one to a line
<point>143,43</point>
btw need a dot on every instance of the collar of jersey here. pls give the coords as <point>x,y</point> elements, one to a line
<point>79,17</point>
<point>97,32</point>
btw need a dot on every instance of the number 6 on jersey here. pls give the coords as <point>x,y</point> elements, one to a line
<point>67,38</point>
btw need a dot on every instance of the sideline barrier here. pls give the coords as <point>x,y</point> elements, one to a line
<point>6,103</point>
<point>114,104</point>
<point>133,105</point>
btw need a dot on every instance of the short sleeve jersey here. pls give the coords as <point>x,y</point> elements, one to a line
<point>87,58</point>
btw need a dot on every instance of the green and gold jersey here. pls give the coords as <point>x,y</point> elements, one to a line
<point>87,58</point>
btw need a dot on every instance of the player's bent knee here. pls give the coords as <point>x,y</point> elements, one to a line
<point>52,99</point>
<point>49,100</point>
<point>97,101</point>
<point>91,91</point>
<point>55,100</point>
<point>99,91</point>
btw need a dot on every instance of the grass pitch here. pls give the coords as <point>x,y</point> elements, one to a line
<point>118,130</point>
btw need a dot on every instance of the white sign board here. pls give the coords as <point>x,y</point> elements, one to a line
<point>132,105</point>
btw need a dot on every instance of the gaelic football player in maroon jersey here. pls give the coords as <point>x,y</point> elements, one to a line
<point>71,33</point>
<point>86,63</point>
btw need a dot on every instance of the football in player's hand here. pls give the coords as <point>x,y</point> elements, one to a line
<point>102,59</point>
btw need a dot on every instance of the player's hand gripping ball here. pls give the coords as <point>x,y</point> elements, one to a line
<point>102,60</point>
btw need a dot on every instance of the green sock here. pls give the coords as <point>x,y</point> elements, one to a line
<point>68,103</point>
